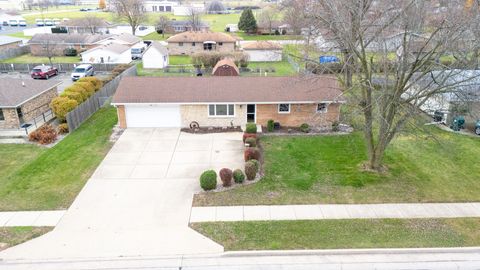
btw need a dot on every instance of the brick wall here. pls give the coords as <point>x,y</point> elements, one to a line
<point>199,113</point>
<point>11,119</point>
<point>58,50</point>
<point>122,120</point>
<point>299,114</point>
<point>10,46</point>
<point>38,105</point>
<point>188,49</point>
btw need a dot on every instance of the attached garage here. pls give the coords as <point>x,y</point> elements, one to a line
<point>151,115</point>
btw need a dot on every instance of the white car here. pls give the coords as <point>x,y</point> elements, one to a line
<point>22,23</point>
<point>13,23</point>
<point>39,22</point>
<point>56,21</point>
<point>81,71</point>
<point>48,22</point>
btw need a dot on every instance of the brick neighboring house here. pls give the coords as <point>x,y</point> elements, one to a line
<point>7,43</point>
<point>23,100</point>
<point>40,44</point>
<point>227,100</point>
<point>191,42</point>
<point>175,26</point>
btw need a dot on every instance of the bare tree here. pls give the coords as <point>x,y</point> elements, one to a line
<point>162,24</point>
<point>195,18</point>
<point>49,50</point>
<point>267,17</point>
<point>295,14</point>
<point>388,92</point>
<point>133,11</point>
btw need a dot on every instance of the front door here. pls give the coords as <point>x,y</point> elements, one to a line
<point>251,113</point>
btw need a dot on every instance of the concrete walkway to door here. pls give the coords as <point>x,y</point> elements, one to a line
<point>138,201</point>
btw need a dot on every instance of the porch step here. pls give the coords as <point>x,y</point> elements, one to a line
<point>13,140</point>
<point>12,134</point>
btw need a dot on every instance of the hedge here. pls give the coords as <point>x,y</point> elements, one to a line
<point>61,106</point>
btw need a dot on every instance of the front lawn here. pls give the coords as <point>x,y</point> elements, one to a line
<point>29,59</point>
<point>436,167</point>
<point>16,235</point>
<point>44,179</point>
<point>338,234</point>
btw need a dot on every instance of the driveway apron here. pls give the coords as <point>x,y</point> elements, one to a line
<point>138,201</point>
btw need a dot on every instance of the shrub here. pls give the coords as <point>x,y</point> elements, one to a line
<point>70,52</point>
<point>89,87</point>
<point>96,82</point>
<point>251,141</point>
<point>270,125</point>
<point>208,180</point>
<point>226,177</point>
<point>251,153</point>
<point>63,128</point>
<point>238,176</point>
<point>305,128</point>
<point>61,106</point>
<point>46,134</point>
<point>78,97</point>
<point>256,162</point>
<point>250,170</point>
<point>251,128</point>
<point>248,135</point>
<point>335,126</point>
<point>120,68</point>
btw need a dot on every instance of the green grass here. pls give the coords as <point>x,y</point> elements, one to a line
<point>245,36</point>
<point>180,60</point>
<point>156,36</point>
<point>327,169</point>
<point>44,179</point>
<point>16,235</point>
<point>161,72</point>
<point>282,68</point>
<point>337,234</point>
<point>28,59</point>
<point>19,35</point>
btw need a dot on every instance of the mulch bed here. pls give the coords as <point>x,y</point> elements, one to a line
<point>206,130</point>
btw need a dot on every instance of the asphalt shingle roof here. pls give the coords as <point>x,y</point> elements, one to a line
<point>13,93</point>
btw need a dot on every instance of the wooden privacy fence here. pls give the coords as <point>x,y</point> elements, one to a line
<point>62,67</point>
<point>81,113</point>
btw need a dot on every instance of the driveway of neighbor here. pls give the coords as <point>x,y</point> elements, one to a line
<point>138,201</point>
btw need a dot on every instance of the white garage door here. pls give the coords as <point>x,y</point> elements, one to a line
<point>153,116</point>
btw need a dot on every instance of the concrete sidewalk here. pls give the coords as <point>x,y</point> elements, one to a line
<point>31,218</point>
<point>334,211</point>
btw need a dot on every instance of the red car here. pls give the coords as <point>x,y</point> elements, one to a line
<point>43,72</point>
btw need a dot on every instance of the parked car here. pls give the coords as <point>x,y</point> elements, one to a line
<point>13,23</point>
<point>48,22</point>
<point>138,50</point>
<point>81,71</point>
<point>39,22</point>
<point>22,23</point>
<point>57,21</point>
<point>43,72</point>
<point>477,128</point>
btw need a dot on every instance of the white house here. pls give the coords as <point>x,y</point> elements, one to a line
<point>231,27</point>
<point>159,5</point>
<point>263,51</point>
<point>187,10</point>
<point>112,53</point>
<point>156,56</point>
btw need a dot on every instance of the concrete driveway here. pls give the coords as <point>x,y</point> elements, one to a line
<point>138,201</point>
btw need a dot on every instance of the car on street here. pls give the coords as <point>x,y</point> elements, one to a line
<point>43,72</point>
<point>22,23</point>
<point>81,71</point>
<point>13,23</point>
<point>477,128</point>
<point>48,22</point>
<point>39,22</point>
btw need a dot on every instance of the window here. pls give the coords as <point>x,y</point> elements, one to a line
<point>283,108</point>
<point>180,44</point>
<point>322,107</point>
<point>82,46</point>
<point>193,44</point>
<point>221,110</point>
<point>220,43</point>
<point>208,46</point>
<point>2,117</point>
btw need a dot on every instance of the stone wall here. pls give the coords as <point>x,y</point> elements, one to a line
<point>11,119</point>
<point>57,49</point>
<point>175,49</point>
<point>199,113</point>
<point>38,105</point>
<point>299,114</point>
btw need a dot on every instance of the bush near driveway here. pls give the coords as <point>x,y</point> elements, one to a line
<point>238,176</point>
<point>250,170</point>
<point>46,134</point>
<point>61,106</point>
<point>48,179</point>
<point>226,177</point>
<point>251,153</point>
<point>208,180</point>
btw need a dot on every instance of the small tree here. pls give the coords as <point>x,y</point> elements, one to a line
<point>49,50</point>
<point>247,21</point>
<point>101,4</point>
<point>162,25</point>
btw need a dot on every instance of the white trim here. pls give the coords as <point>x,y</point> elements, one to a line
<point>221,116</point>
<point>235,103</point>
<point>289,108</point>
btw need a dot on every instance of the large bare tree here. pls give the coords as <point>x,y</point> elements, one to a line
<point>195,18</point>
<point>388,86</point>
<point>133,11</point>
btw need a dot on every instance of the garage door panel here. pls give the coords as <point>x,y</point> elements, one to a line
<point>153,116</point>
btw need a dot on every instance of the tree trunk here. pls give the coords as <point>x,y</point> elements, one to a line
<point>134,28</point>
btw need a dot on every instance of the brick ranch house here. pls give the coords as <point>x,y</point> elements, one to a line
<point>23,100</point>
<point>227,100</point>
<point>188,43</point>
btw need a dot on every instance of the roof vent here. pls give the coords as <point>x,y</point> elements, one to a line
<point>23,83</point>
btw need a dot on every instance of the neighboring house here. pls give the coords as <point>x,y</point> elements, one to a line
<point>156,56</point>
<point>175,26</point>
<point>110,54</point>
<point>90,25</point>
<point>392,42</point>
<point>159,5</point>
<point>227,100</point>
<point>23,100</point>
<point>192,42</point>
<point>225,67</point>
<point>44,44</point>
<point>7,43</point>
<point>274,28</point>
<point>188,9</point>
<point>263,51</point>
<point>123,38</point>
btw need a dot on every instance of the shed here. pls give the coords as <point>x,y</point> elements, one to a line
<point>263,51</point>
<point>225,67</point>
<point>156,56</point>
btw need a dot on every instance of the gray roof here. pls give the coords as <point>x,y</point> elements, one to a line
<point>128,38</point>
<point>14,94</point>
<point>67,38</point>
<point>186,23</point>
<point>112,47</point>
<point>159,47</point>
<point>7,40</point>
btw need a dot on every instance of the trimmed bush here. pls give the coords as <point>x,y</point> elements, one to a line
<point>305,128</point>
<point>226,177</point>
<point>238,176</point>
<point>89,87</point>
<point>270,125</point>
<point>61,106</point>
<point>63,128</point>
<point>251,153</point>
<point>248,135</point>
<point>251,128</point>
<point>251,141</point>
<point>73,95</point>
<point>69,51</point>
<point>46,134</point>
<point>250,170</point>
<point>96,82</point>
<point>76,88</point>
<point>208,180</point>
<point>256,162</point>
